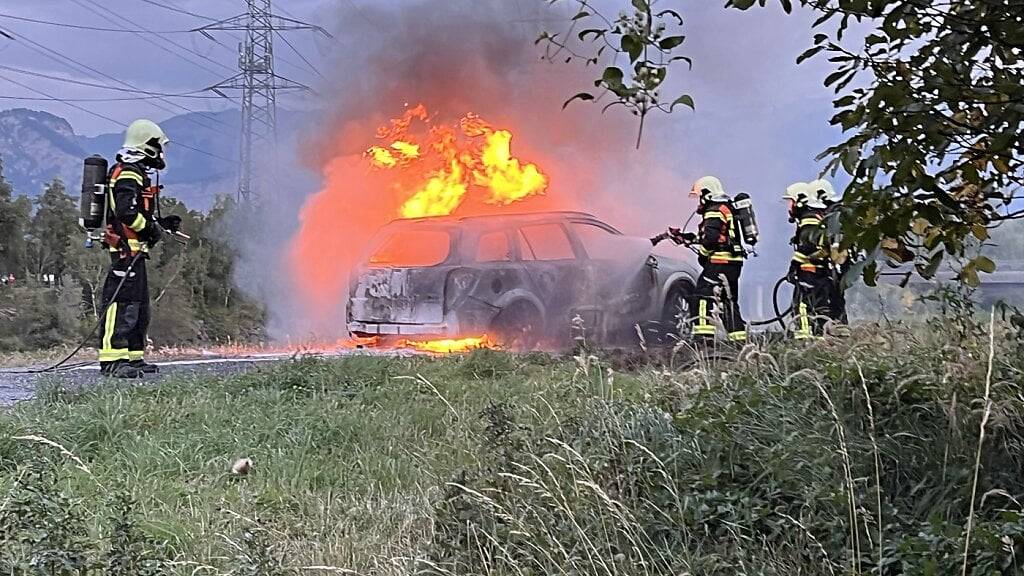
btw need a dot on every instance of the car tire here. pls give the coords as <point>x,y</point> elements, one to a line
<point>676,315</point>
<point>518,327</point>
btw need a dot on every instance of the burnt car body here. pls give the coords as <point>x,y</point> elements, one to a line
<point>547,276</point>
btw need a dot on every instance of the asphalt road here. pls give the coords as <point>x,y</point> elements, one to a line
<point>17,385</point>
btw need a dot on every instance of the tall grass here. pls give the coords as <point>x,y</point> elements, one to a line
<point>852,456</point>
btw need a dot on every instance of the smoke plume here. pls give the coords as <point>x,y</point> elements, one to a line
<point>455,57</point>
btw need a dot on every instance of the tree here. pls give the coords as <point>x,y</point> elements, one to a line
<point>933,106</point>
<point>51,232</point>
<point>14,213</point>
<point>647,35</point>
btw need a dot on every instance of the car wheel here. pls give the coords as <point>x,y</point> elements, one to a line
<point>518,327</point>
<point>675,317</point>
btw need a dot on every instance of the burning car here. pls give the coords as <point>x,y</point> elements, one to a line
<point>532,278</point>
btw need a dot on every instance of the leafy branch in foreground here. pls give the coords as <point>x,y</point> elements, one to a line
<point>933,101</point>
<point>648,36</point>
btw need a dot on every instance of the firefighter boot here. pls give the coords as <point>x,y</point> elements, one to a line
<point>144,366</point>
<point>121,369</point>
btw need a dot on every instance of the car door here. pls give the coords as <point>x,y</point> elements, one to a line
<point>553,266</point>
<point>617,273</point>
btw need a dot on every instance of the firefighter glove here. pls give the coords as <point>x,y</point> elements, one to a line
<point>171,223</point>
<point>689,238</point>
<point>152,233</point>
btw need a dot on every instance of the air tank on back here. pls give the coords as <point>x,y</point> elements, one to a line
<point>744,207</point>
<point>94,190</point>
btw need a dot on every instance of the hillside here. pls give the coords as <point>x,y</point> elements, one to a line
<point>38,146</point>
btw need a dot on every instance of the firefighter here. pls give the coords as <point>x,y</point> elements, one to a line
<point>132,229</point>
<point>838,258</point>
<point>810,266</point>
<point>721,256</point>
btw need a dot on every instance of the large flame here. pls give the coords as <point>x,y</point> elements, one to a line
<point>438,166</point>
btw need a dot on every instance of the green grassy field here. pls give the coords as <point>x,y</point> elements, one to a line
<point>854,456</point>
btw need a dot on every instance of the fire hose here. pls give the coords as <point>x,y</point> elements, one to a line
<point>57,366</point>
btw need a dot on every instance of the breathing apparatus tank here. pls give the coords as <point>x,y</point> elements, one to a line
<point>743,206</point>
<point>93,202</point>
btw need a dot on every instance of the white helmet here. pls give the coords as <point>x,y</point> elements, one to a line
<point>796,192</point>
<point>823,190</point>
<point>146,137</point>
<point>709,188</point>
<point>815,202</point>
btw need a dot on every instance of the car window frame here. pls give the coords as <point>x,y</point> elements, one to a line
<point>574,245</point>
<point>579,241</point>
<point>509,238</point>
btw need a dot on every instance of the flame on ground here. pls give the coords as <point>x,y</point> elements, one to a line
<point>450,346</point>
<point>439,166</point>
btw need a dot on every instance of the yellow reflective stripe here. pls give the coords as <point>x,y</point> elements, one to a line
<point>110,199</point>
<point>139,223</point>
<point>703,327</point>
<point>805,323</point>
<point>713,214</point>
<point>726,256</point>
<point>810,222</point>
<point>801,258</point>
<point>113,355</point>
<point>126,175</point>
<point>133,245</point>
<point>135,354</point>
<point>108,325</point>
<point>738,335</point>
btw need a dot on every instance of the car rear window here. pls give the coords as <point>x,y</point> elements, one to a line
<point>412,249</point>
<point>545,242</point>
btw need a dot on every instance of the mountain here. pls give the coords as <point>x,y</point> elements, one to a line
<point>37,146</point>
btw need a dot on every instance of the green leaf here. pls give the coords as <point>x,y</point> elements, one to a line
<point>597,32</point>
<point>685,100</point>
<point>834,77</point>
<point>582,14</point>
<point>641,5</point>
<point>787,5</point>
<point>581,96</point>
<point>687,59</point>
<point>969,276</point>
<point>671,42</point>
<point>808,53</point>
<point>633,46</point>
<point>612,76</point>
<point>672,13</point>
<point>985,264</point>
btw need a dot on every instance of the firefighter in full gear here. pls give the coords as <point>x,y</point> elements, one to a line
<point>132,229</point>
<point>810,268</point>
<point>721,255</point>
<point>838,258</point>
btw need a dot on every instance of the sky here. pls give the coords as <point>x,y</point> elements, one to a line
<point>760,119</point>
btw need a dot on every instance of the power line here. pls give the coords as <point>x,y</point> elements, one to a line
<point>125,99</point>
<point>157,44</point>
<point>101,116</point>
<point>299,54</point>
<point>178,10</point>
<point>90,28</point>
<point>78,66</point>
<point>147,93</point>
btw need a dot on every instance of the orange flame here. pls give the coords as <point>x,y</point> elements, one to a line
<point>450,346</point>
<point>455,167</point>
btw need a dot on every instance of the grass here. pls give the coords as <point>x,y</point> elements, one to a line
<point>843,457</point>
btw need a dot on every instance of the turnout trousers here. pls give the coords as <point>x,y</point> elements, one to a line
<point>718,290</point>
<point>126,317</point>
<point>813,298</point>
